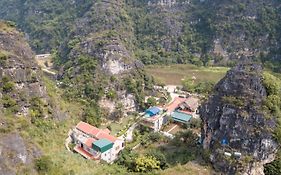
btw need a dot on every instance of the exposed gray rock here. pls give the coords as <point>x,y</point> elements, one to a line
<point>21,69</point>
<point>233,122</point>
<point>15,152</point>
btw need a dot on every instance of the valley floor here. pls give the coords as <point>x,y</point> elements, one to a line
<point>174,74</point>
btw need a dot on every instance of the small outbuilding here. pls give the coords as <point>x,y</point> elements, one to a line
<point>181,117</point>
<point>102,145</point>
<point>191,104</point>
<point>152,111</point>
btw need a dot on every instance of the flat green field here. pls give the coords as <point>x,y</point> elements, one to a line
<point>173,74</point>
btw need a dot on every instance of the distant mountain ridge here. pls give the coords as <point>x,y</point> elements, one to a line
<point>163,31</point>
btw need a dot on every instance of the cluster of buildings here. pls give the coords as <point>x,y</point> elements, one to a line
<point>96,144</point>
<point>181,110</point>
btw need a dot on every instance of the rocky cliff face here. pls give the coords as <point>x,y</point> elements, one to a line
<point>34,17</point>
<point>16,153</point>
<point>233,123</point>
<point>99,57</point>
<point>20,86</point>
<point>227,29</point>
<point>196,31</point>
<point>20,77</point>
<point>239,36</point>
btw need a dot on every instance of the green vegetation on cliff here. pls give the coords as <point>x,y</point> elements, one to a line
<point>200,33</point>
<point>272,106</point>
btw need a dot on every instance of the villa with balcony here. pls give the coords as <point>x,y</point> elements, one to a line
<point>96,144</point>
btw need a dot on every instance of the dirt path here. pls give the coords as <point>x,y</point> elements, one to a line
<point>129,133</point>
<point>68,141</point>
<point>172,128</point>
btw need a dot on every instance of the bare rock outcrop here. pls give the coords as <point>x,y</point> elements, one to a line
<point>235,130</point>
<point>14,152</point>
<point>19,74</point>
<point>100,57</point>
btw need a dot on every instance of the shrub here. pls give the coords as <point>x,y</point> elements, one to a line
<point>155,136</point>
<point>112,94</point>
<point>274,167</point>
<point>127,159</point>
<point>272,84</point>
<point>188,85</point>
<point>36,109</point>
<point>43,164</point>
<point>8,87</point>
<point>236,101</point>
<point>8,102</point>
<point>146,163</point>
<point>160,157</point>
<point>151,101</point>
<point>3,59</point>
<point>195,123</point>
<point>273,100</point>
<point>91,116</point>
<point>204,87</point>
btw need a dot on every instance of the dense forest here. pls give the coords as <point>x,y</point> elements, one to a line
<point>197,32</point>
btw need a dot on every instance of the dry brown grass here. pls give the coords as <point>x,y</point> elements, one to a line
<point>5,27</point>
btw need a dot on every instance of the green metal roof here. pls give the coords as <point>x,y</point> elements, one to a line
<point>102,145</point>
<point>181,117</point>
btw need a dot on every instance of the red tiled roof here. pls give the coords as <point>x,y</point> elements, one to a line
<point>172,106</point>
<point>95,132</point>
<point>106,131</point>
<point>103,135</point>
<point>89,142</point>
<point>87,128</point>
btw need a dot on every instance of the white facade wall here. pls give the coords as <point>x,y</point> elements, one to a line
<point>158,124</point>
<point>106,156</point>
<point>118,146</point>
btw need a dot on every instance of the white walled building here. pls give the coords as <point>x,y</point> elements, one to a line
<point>96,144</point>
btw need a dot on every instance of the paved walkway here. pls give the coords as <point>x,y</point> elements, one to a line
<point>129,133</point>
<point>172,128</point>
<point>171,89</point>
<point>48,71</point>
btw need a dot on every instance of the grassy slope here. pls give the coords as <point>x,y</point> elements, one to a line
<point>173,74</point>
<point>50,135</point>
<point>188,169</point>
